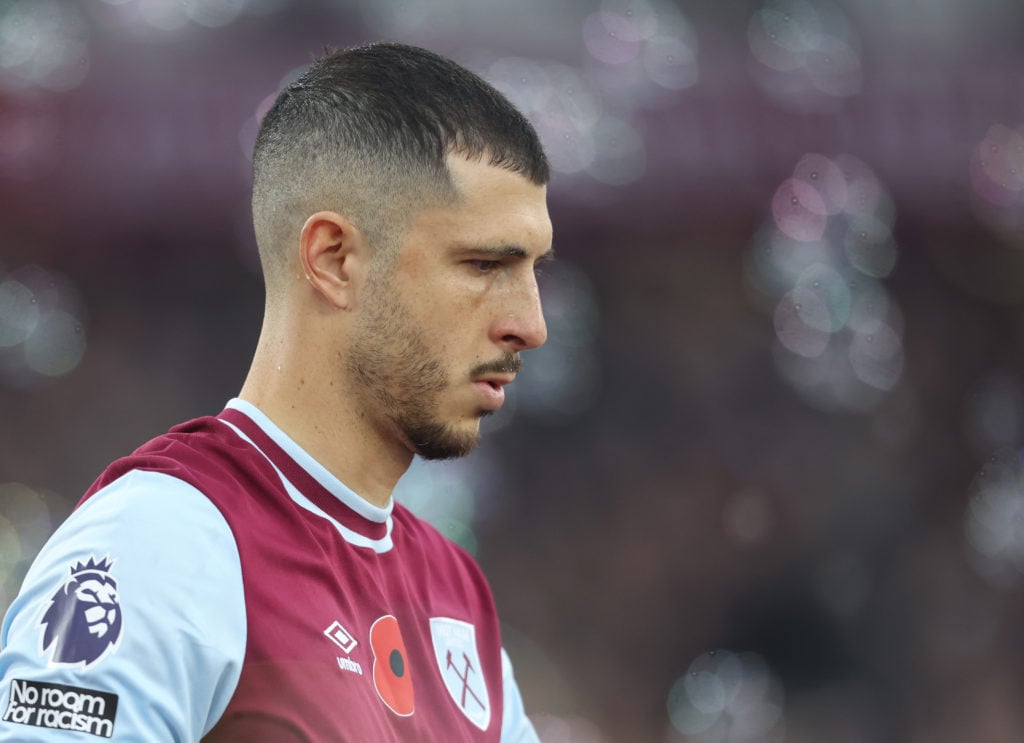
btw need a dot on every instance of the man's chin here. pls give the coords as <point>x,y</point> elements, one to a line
<point>441,441</point>
<point>447,450</point>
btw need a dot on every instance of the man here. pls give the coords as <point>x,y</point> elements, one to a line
<point>247,577</point>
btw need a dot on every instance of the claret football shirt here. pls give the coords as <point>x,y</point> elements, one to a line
<point>219,584</point>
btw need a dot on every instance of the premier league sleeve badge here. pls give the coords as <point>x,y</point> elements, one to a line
<point>83,622</point>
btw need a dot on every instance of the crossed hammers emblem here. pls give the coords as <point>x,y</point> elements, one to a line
<point>464,678</point>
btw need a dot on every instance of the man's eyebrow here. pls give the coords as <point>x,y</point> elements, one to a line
<point>511,251</point>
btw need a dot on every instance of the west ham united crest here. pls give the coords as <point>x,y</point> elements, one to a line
<point>83,621</point>
<point>459,663</point>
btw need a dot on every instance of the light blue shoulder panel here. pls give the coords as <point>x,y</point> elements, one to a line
<point>135,602</point>
<point>515,725</point>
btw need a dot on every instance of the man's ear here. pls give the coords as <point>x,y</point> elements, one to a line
<point>333,255</point>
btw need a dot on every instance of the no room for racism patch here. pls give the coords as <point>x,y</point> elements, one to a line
<point>61,707</point>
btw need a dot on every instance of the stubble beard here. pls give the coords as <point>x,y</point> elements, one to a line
<point>401,383</point>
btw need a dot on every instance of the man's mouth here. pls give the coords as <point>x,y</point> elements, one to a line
<point>492,390</point>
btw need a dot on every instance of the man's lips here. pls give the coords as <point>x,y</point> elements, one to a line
<point>496,380</point>
<point>491,388</point>
<point>490,379</point>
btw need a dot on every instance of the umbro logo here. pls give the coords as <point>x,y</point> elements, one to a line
<point>341,637</point>
<point>344,640</point>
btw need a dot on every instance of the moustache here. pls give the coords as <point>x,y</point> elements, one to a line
<point>510,363</point>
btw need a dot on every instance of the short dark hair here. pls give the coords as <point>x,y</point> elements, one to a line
<point>365,131</point>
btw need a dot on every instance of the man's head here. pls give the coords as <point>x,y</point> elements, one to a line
<point>400,211</point>
<point>365,132</point>
<point>439,333</point>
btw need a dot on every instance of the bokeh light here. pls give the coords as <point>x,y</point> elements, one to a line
<point>865,194</point>
<point>579,134</point>
<point>877,357</point>
<point>650,40</point>
<point>613,38</point>
<point>164,15</point>
<point>558,103</point>
<point>994,522</point>
<point>804,53</point>
<point>782,33</point>
<point>826,177</point>
<point>620,153</point>
<point>42,331</point>
<point>57,345</point>
<point>799,210</point>
<point>10,556</point>
<point>728,697</point>
<point>25,526</point>
<point>831,291</point>
<point>169,16</point>
<point>671,62</point>
<point>817,267</point>
<point>997,178</point>
<point>19,312</point>
<point>43,43</point>
<point>400,18</point>
<point>801,322</point>
<point>869,246</point>
<point>639,56</point>
<point>213,13</point>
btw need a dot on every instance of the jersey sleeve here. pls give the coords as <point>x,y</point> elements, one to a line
<point>515,725</point>
<point>130,624</point>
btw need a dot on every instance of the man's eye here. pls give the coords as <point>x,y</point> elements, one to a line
<point>485,266</point>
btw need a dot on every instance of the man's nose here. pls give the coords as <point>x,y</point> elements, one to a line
<point>521,326</point>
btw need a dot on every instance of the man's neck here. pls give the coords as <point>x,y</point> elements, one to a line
<point>326,424</point>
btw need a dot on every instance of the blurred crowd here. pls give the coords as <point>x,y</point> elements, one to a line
<point>764,482</point>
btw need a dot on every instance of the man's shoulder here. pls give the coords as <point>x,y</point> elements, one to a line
<point>199,435</point>
<point>197,451</point>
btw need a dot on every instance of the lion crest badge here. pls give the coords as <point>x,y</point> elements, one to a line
<point>82,624</point>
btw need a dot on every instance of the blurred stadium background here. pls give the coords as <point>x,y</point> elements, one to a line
<point>764,481</point>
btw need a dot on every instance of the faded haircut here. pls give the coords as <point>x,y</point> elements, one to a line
<point>365,132</point>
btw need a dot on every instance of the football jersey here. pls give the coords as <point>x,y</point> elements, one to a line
<point>220,584</point>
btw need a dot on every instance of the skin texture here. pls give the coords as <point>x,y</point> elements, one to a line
<point>366,363</point>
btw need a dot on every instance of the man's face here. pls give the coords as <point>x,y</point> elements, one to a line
<point>441,328</point>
